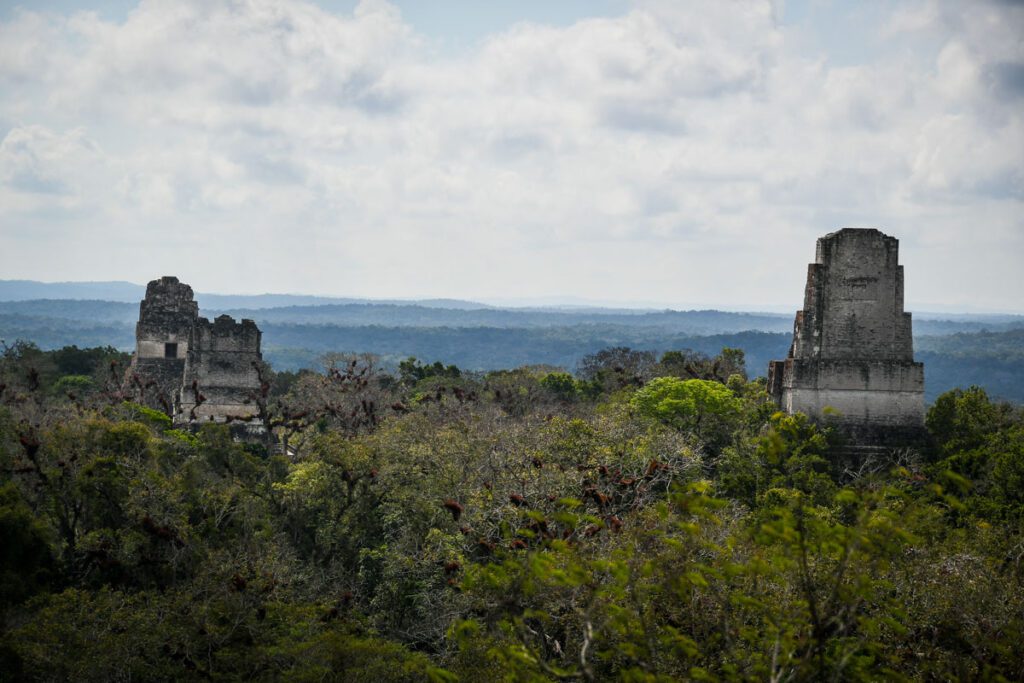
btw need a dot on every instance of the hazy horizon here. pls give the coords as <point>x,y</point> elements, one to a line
<point>551,301</point>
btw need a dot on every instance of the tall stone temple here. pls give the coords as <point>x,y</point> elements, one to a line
<point>193,369</point>
<point>851,363</point>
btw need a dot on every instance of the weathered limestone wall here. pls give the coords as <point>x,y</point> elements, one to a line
<point>221,369</point>
<point>852,357</point>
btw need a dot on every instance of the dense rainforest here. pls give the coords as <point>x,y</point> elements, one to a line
<point>649,517</point>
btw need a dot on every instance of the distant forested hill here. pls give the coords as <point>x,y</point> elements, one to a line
<point>448,313</point>
<point>983,350</point>
<point>690,322</point>
<point>491,348</point>
<point>129,292</point>
<point>22,290</point>
<point>53,332</point>
<point>419,315</point>
<point>71,309</point>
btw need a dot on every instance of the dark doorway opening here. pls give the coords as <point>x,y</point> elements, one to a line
<point>170,350</point>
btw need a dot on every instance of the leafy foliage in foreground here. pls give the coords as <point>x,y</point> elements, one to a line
<point>649,520</point>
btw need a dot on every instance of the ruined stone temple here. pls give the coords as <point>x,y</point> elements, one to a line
<point>193,369</point>
<point>851,362</point>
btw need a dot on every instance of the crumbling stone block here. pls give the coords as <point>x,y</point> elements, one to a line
<point>220,381</point>
<point>851,362</point>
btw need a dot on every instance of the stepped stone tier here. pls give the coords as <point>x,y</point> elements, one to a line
<point>851,362</point>
<point>166,318</point>
<point>193,369</point>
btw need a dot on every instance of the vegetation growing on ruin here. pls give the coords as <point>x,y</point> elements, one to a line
<point>649,517</point>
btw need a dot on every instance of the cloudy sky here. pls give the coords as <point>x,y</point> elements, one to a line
<point>684,153</point>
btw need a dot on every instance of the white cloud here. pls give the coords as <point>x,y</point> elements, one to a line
<point>40,167</point>
<point>687,152</point>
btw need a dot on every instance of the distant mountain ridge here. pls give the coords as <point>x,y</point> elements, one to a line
<point>708,322</point>
<point>26,290</point>
<point>130,292</point>
<point>297,307</point>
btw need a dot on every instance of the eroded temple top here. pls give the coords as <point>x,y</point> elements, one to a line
<point>853,302</point>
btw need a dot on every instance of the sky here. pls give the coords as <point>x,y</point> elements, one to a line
<point>636,152</point>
